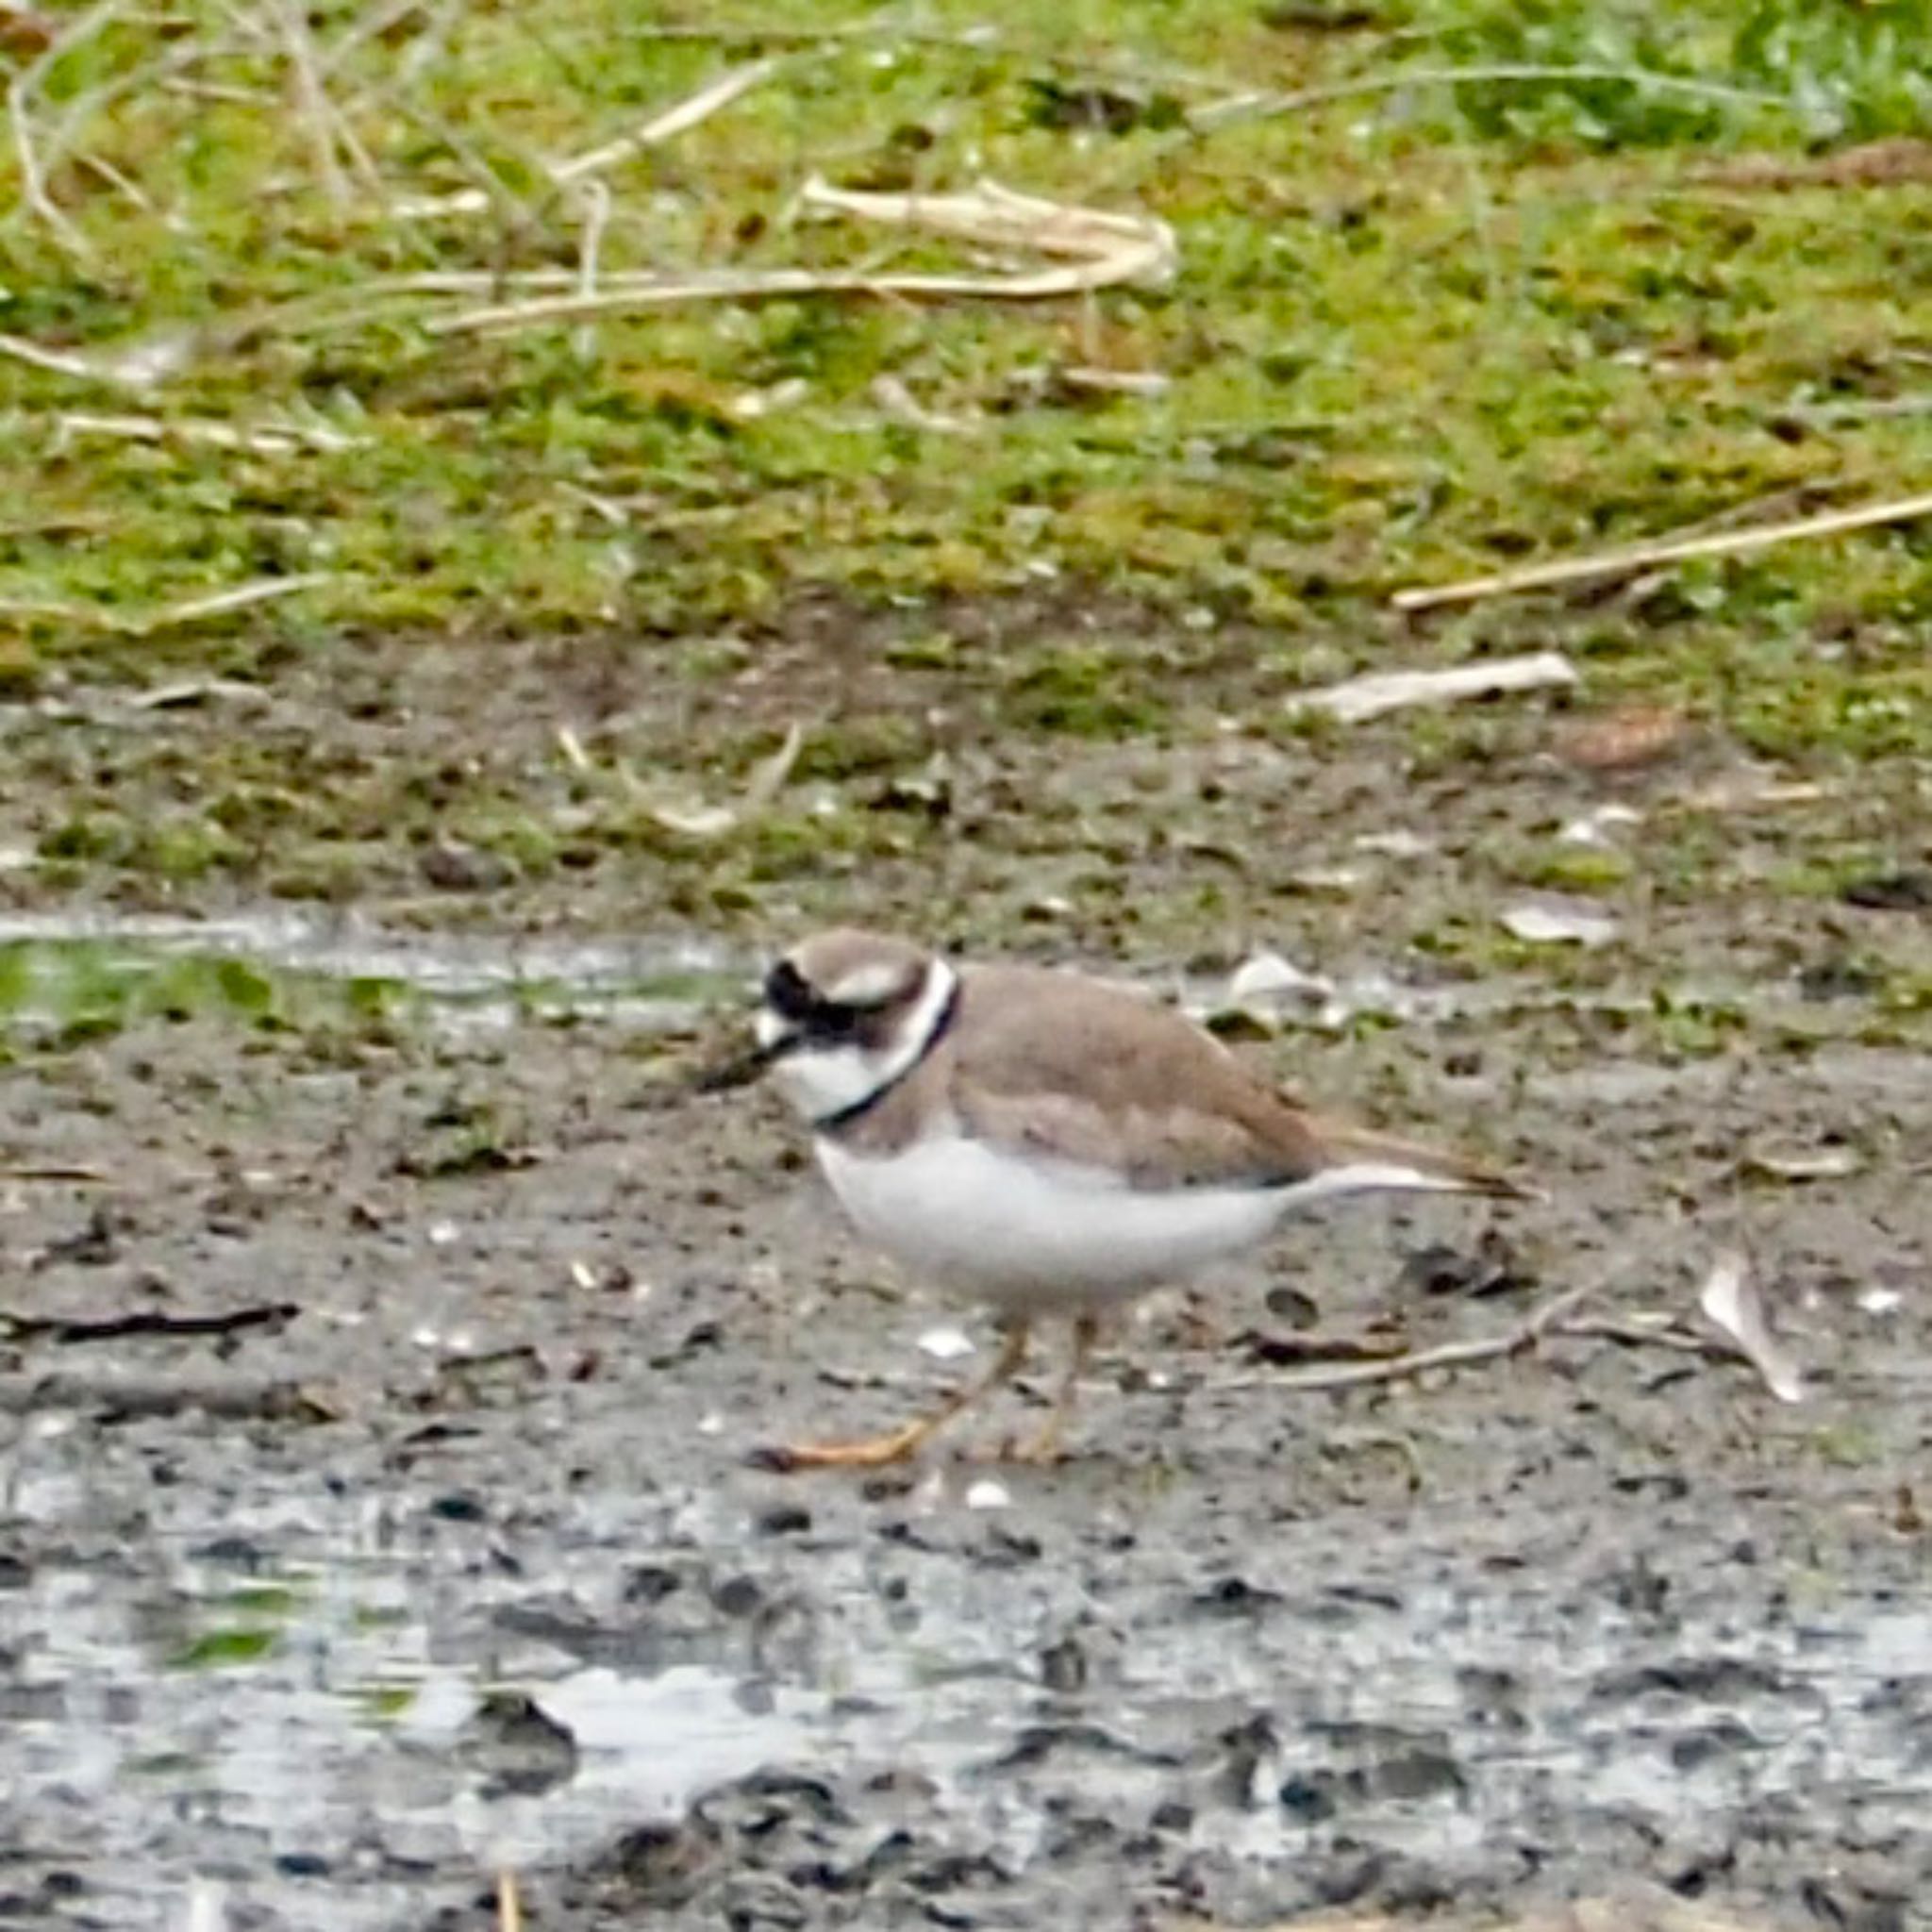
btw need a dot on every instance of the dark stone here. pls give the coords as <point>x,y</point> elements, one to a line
<point>785,1519</point>
<point>1906,890</point>
<point>1063,1666</point>
<point>651,1583</point>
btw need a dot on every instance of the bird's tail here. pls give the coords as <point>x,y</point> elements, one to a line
<point>1362,1161</point>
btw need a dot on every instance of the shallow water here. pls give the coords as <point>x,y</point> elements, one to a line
<point>460,982</point>
<point>456,982</point>
<point>281,1687</point>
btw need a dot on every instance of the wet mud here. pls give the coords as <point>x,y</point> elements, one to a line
<point>381,1538</point>
<point>376,1518</point>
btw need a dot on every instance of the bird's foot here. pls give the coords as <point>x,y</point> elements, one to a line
<point>1043,1449</point>
<point>869,1452</point>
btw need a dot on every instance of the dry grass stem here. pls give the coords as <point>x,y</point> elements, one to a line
<point>1249,107</point>
<point>327,131</point>
<point>167,616</point>
<point>596,199</point>
<point>1133,247</point>
<point>1104,250</point>
<point>1540,576</point>
<point>670,123</point>
<point>21,94</point>
<point>275,439</point>
<point>244,596</point>
<point>663,127</point>
<point>67,362</point>
<point>1556,1316</point>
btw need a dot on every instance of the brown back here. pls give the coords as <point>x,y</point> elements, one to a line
<point>1055,1064</point>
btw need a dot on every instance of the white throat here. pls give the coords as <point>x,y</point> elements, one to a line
<point>822,1082</point>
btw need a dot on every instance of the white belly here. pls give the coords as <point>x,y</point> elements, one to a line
<point>966,1215</point>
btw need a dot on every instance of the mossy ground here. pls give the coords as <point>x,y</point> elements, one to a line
<point>1038,637</point>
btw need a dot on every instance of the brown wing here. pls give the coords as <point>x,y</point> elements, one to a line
<point>1071,1067</point>
<point>1066,1066</point>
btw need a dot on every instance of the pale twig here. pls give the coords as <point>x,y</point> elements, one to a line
<point>1377,691</point>
<point>243,597</point>
<point>139,367</point>
<point>359,157</point>
<point>1537,576</point>
<point>20,97</point>
<point>510,1910</point>
<point>318,115</point>
<point>1554,1318</point>
<point>663,127</point>
<point>1872,409</point>
<point>1636,1334</point>
<point>899,405</point>
<point>189,610</point>
<point>993,216</point>
<point>597,212</point>
<point>275,440</point>
<point>1100,249</point>
<point>337,309</point>
<point>1148,384</point>
<point>220,90</point>
<point>67,362</point>
<point>196,690</point>
<point>1256,106</point>
<point>102,166</point>
<point>1545,1319</point>
<point>1040,286</point>
<point>672,121</point>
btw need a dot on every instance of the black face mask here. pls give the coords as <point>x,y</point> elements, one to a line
<point>792,998</point>
<point>815,1021</point>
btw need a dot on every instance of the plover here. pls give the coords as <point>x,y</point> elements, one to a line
<point>1045,1141</point>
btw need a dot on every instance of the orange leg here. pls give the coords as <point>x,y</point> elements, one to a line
<point>896,1446</point>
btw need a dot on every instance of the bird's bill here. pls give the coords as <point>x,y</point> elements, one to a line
<point>752,1064</point>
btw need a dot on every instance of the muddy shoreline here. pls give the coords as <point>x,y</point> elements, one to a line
<point>484,1582</point>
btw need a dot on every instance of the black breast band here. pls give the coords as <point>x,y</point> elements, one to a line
<point>848,1116</point>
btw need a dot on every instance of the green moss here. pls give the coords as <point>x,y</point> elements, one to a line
<point>185,849</point>
<point>1078,692</point>
<point>861,746</point>
<point>69,990</point>
<point>1577,869</point>
<point>20,670</point>
<point>226,1649</point>
<point>1419,327</point>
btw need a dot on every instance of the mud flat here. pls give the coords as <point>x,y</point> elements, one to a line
<point>378,1520</point>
